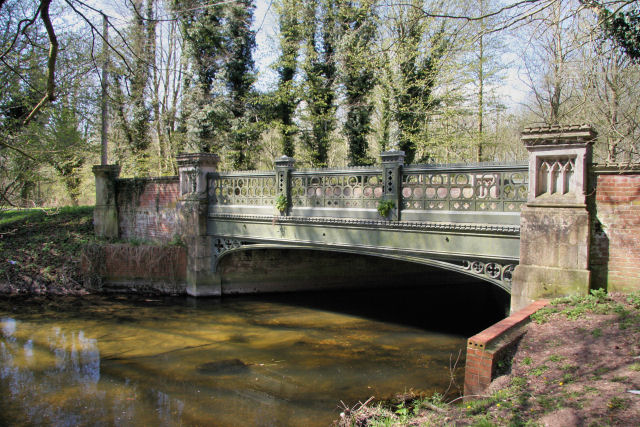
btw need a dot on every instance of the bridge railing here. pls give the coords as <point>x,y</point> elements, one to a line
<point>454,193</point>
<point>251,188</point>
<point>355,188</point>
<point>482,187</point>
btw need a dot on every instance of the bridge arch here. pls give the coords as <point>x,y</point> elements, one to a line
<point>496,274</point>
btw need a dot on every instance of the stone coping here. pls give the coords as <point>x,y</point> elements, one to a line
<point>150,179</point>
<point>616,169</point>
<point>493,333</point>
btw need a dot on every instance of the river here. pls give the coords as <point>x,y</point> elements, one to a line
<point>270,360</point>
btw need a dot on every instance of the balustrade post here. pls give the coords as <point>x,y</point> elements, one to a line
<point>554,224</point>
<point>284,167</point>
<point>105,213</point>
<point>392,163</point>
<point>192,208</point>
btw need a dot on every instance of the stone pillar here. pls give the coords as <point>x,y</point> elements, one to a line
<point>105,213</point>
<point>284,167</point>
<point>392,163</point>
<point>554,224</point>
<point>192,208</point>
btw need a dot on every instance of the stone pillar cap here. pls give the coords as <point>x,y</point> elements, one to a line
<point>106,169</point>
<point>392,156</point>
<point>285,161</point>
<point>556,135</point>
<point>197,159</point>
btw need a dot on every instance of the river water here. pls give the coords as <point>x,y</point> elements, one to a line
<point>279,360</point>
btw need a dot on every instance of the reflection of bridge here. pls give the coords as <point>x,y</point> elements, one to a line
<point>462,218</point>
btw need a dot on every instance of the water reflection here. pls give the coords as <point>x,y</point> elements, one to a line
<point>237,362</point>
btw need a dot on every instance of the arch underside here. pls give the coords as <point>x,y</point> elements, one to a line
<point>496,272</point>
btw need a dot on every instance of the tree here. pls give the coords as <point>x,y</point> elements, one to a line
<point>357,69</point>
<point>320,73</point>
<point>622,25</point>
<point>419,51</point>
<point>218,111</point>
<point>286,96</point>
<point>550,61</point>
<point>239,76</point>
<point>64,139</point>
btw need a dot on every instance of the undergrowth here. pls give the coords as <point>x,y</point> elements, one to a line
<point>598,302</point>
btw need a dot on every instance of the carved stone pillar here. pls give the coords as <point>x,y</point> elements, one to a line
<point>284,167</point>
<point>192,208</point>
<point>554,224</point>
<point>105,213</point>
<point>392,163</point>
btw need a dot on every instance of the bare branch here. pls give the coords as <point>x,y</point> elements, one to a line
<point>19,150</point>
<point>20,30</point>
<point>51,61</point>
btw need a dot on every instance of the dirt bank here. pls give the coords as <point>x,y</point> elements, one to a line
<point>40,250</point>
<point>577,365</point>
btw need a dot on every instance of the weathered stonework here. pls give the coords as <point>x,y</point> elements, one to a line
<point>555,223</point>
<point>105,213</point>
<point>192,213</point>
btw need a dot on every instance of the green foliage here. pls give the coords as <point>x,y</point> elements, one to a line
<point>518,381</point>
<point>617,403</point>
<point>527,361</point>
<point>176,240</point>
<point>286,97</point>
<point>634,299</point>
<point>68,150</point>
<point>220,43</point>
<point>320,33</point>
<point>555,358</point>
<point>385,207</point>
<point>622,26</point>
<point>420,50</point>
<point>575,306</point>
<point>538,371</point>
<point>358,75</point>
<point>282,203</point>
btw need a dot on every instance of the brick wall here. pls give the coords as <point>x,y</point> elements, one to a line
<point>493,345</point>
<point>147,208</point>
<point>615,237</point>
<point>140,269</point>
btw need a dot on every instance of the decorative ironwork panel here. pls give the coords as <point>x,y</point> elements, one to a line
<point>341,189</point>
<point>498,272</point>
<point>258,189</point>
<point>464,189</point>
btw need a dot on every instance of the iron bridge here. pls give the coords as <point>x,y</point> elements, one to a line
<point>464,218</point>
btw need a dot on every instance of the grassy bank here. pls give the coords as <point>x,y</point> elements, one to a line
<point>577,365</point>
<point>40,250</point>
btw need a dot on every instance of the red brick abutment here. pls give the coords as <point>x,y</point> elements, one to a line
<point>487,349</point>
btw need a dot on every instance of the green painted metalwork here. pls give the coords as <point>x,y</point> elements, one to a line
<point>501,189</point>
<point>460,217</point>
<point>246,188</point>
<point>337,189</point>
